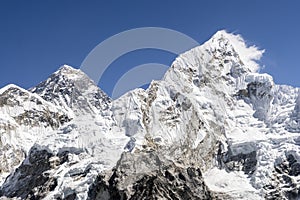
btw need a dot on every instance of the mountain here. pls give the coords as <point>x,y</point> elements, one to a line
<point>73,90</point>
<point>212,128</point>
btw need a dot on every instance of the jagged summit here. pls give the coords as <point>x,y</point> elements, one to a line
<point>67,67</point>
<point>11,87</point>
<point>71,88</point>
<point>8,87</point>
<point>248,54</point>
<point>69,72</point>
<point>224,57</point>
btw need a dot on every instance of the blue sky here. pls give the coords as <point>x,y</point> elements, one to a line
<point>36,37</point>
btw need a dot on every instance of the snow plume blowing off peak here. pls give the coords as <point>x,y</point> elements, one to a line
<point>224,55</point>
<point>248,54</point>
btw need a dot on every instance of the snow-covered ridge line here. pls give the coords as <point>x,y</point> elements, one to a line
<point>212,113</point>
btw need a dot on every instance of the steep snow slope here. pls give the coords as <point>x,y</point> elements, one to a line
<point>212,128</point>
<point>24,118</point>
<point>213,95</point>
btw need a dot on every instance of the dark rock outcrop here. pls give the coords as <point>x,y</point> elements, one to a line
<point>284,183</point>
<point>31,179</point>
<point>166,181</point>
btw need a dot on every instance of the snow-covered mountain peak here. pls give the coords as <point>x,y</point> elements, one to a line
<point>69,72</point>
<point>13,95</point>
<point>248,54</point>
<point>207,76</point>
<point>223,62</point>
<point>7,87</point>
<point>73,90</point>
<point>17,90</point>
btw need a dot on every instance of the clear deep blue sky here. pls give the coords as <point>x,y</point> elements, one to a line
<point>36,37</point>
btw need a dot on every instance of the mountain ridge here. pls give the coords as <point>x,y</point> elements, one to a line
<point>212,120</point>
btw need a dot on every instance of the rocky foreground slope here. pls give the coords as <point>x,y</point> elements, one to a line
<point>212,128</point>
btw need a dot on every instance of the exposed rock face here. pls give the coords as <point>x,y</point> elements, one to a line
<point>236,160</point>
<point>260,94</point>
<point>71,88</point>
<point>150,178</point>
<point>34,178</point>
<point>10,157</point>
<point>285,183</point>
<point>38,184</point>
